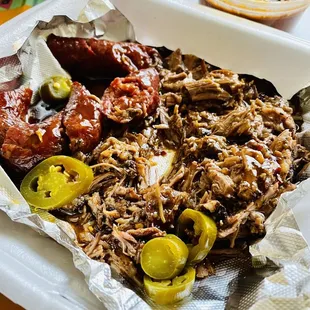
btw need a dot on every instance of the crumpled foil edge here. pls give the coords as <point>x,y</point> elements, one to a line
<point>109,290</point>
<point>281,260</point>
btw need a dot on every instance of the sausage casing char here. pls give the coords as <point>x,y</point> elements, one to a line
<point>82,120</point>
<point>13,106</point>
<point>132,97</point>
<point>25,144</point>
<point>92,57</point>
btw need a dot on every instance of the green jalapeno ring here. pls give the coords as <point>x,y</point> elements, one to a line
<point>164,258</point>
<point>204,227</point>
<point>167,292</point>
<point>55,89</point>
<point>47,187</point>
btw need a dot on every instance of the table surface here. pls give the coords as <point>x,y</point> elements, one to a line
<point>300,30</point>
<point>6,304</point>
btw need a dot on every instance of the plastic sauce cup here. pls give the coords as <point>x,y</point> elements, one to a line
<point>280,14</point>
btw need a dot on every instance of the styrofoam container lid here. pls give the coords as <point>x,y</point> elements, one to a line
<point>36,272</point>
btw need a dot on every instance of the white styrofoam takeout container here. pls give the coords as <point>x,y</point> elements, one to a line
<point>36,272</point>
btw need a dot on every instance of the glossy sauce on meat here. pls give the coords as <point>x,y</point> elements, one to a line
<point>16,103</point>
<point>132,97</point>
<point>13,107</point>
<point>82,120</point>
<point>92,57</point>
<point>25,144</point>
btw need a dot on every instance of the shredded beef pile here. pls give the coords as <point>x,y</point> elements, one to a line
<point>235,153</point>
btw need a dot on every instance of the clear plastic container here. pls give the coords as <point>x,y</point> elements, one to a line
<point>280,14</point>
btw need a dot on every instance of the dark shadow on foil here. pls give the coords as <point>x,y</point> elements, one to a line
<point>262,85</point>
<point>301,100</point>
<point>247,286</point>
<point>223,290</point>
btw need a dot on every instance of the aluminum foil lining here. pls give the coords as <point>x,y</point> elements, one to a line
<point>277,276</point>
